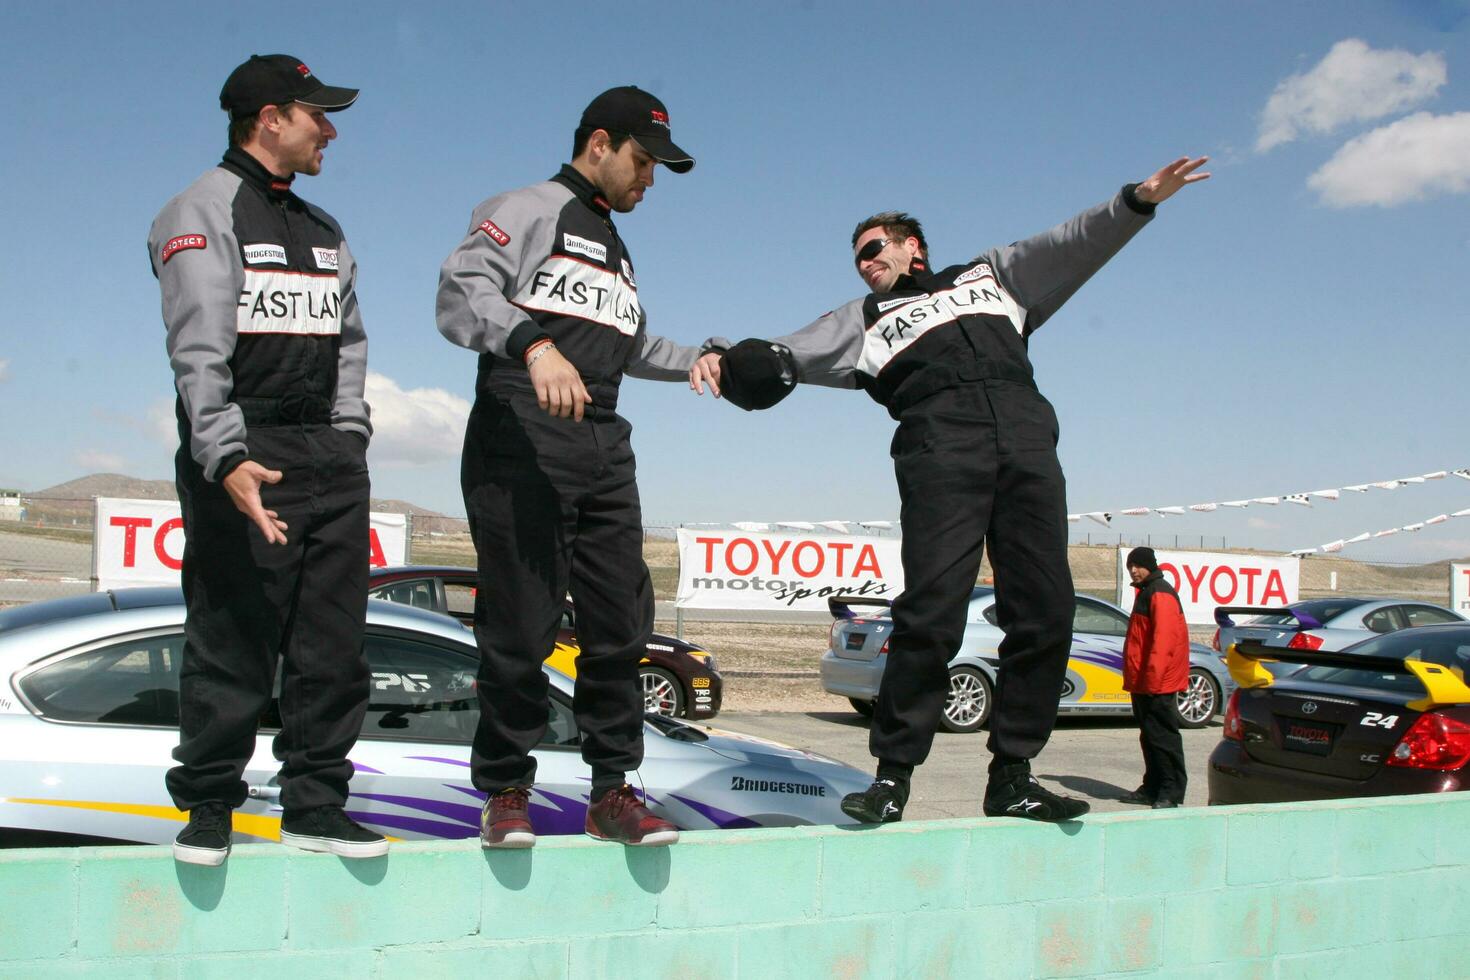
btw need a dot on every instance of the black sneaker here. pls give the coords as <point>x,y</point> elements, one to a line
<point>1014,792</point>
<point>1165,804</point>
<point>882,802</point>
<point>206,840</point>
<point>330,830</point>
<point>1139,797</point>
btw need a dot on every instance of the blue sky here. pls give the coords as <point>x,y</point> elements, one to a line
<point>1297,322</point>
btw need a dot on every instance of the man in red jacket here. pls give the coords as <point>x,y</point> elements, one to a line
<point>1155,670</point>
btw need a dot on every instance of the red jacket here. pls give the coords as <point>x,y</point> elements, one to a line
<point>1156,651</point>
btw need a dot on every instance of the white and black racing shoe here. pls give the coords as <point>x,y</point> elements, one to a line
<point>882,802</point>
<point>1014,792</point>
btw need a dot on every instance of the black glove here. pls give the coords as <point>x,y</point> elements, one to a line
<point>757,374</point>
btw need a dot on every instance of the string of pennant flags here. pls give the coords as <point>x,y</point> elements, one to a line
<point>1301,499</point>
<point>1106,517</point>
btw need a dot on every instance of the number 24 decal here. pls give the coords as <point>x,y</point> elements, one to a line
<point>1379,719</point>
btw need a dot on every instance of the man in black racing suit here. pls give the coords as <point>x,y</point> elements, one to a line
<point>975,455</point>
<point>544,289</point>
<point>269,360</point>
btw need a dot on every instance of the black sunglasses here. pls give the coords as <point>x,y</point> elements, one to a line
<point>870,251</point>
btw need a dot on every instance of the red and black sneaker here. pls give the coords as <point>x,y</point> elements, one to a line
<point>506,819</point>
<point>620,816</point>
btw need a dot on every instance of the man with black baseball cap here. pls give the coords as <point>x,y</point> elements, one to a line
<point>269,360</point>
<point>1155,670</point>
<point>543,288</point>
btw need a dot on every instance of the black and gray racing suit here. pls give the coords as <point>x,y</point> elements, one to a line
<point>975,456</point>
<point>553,503</point>
<point>269,360</point>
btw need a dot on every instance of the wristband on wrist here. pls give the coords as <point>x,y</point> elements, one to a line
<point>537,350</point>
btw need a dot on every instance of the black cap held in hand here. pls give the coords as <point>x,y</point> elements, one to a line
<point>275,79</point>
<point>629,109</point>
<point>756,374</point>
<point>1142,558</point>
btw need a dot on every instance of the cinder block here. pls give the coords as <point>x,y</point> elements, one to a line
<point>668,954</point>
<point>1220,926</point>
<point>1316,915</point>
<point>1270,844</point>
<point>1374,837</point>
<point>133,968</point>
<point>294,965</point>
<point>1070,939</point>
<point>524,961</point>
<point>1235,970</point>
<point>742,877</point>
<point>996,943</point>
<point>418,893</point>
<point>1133,934</point>
<point>1021,861</point>
<point>140,902</point>
<point>566,889</point>
<point>846,949</point>
<point>40,908</point>
<point>912,865</point>
<point>1164,853</point>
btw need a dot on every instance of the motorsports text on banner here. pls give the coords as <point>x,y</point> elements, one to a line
<point>1460,588</point>
<point>1206,580</point>
<point>141,542</point>
<point>752,570</point>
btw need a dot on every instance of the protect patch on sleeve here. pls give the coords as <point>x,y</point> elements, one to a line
<point>179,243</point>
<point>493,230</point>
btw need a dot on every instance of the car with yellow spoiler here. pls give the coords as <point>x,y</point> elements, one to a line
<point>1385,716</point>
<point>857,654</point>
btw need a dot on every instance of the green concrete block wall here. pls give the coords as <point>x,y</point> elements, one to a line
<point>1342,889</point>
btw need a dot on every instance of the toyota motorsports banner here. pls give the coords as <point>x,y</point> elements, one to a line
<point>754,570</point>
<point>141,542</point>
<point>1205,580</point>
<point>1460,588</point>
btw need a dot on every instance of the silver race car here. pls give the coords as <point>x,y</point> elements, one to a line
<point>89,711</point>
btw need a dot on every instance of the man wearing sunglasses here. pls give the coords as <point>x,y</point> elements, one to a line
<point>975,455</point>
<point>542,287</point>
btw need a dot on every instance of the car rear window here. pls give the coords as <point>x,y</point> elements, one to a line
<point>1448,648</point>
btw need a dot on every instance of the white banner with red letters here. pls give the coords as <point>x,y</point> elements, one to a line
<point>1460,588</point>
<point>747,569</point>
<point>1206,579</point>
<point>141,542</point>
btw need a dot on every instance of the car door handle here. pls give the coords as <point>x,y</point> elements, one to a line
<point>264,792</point>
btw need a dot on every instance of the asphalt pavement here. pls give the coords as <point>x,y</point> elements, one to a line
<point>1097,759</point>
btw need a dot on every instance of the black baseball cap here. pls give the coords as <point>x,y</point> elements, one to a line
<point>629,109</point>
<point>275,79</point>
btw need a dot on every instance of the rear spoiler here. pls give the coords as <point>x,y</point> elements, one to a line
<point>1442,685</point>
<point>841,606</point>
<point>1222,615</point>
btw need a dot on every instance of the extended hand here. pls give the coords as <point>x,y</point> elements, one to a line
<point>1162,185</point>
<point>243,486</point>
<point>559,388</point>
<point>706,369</point>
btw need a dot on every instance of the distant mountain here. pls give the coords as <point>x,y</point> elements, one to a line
<point>74,499</point>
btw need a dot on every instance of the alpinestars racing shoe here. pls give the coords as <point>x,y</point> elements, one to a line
<point>1014,792</point>
<point>882,802</point>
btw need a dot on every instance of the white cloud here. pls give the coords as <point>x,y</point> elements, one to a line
<point>410,428</point>
<point>4,369</point>
<point>1409,160</point>
<point>1353,83</point>
<point>97,461</point>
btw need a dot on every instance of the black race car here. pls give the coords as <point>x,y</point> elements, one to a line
<point>1386,716</point>
<point>679,679</point>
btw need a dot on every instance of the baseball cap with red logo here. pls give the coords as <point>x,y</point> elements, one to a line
<point>629,109</point>
<point>275,79</point>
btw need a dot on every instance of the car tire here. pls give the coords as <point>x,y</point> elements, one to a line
<point>1200,701</point>
<point>967,707</point>
<point>662,694</point>
<point>864,708</point>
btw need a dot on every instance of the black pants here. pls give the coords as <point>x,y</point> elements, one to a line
<point>251,603</point>
<point>975,463</point>
<point>553,508</point>
<point>1164,776</point>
